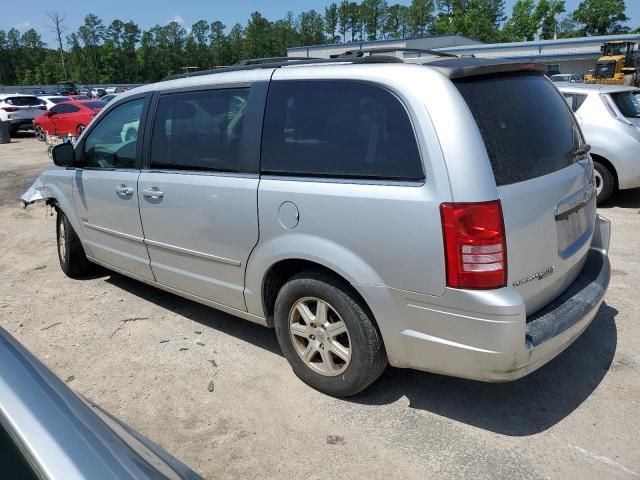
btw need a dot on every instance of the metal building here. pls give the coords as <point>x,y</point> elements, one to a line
<point>571,55</point>
<point>433,42</point>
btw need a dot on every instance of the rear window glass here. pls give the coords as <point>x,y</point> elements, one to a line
<point>627,103</point>
<point>527,128</point>
<point>23,101</point>
<point>95,105</point>
<point>340,129</point>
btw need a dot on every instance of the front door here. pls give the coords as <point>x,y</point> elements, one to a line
<point>106,192</point>
<point>198,201</point>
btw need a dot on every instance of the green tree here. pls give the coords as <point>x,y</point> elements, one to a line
<point>92,34</point>
<point>420,17</point>
<point>395,22</point>
<point>601,17</point>
<point>284,35</point>
<point>524,22</point>
<point>331,19</point>
<point>217,42</point>
<point>257,35</point>
<point>354,21</point>
<point>567,28</point>
<point>311,28</point>
<point>548,12</point>
<point>344,16</point>
<point>234,46</point>
<point>373,13</point>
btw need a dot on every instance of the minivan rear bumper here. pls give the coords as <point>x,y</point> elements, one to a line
<point>485,335</point>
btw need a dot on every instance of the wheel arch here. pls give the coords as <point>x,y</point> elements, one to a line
<point>606,163</point>
<point>283,270</point>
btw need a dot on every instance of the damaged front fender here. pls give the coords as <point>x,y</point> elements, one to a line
<point>38,192</point>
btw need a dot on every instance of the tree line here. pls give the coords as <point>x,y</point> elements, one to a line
<point>122,52</point>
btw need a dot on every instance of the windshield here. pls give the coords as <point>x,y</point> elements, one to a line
<point>527,128</point>
<point>614,49</point>
<point>627,103</point>
<point>560,78</point>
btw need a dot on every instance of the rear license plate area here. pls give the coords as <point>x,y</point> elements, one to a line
<point>575,229</point>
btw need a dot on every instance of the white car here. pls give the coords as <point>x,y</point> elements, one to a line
<point>610,119</point>
<point>51,101</point>
<point>566,77</point>
<point>19,110</point>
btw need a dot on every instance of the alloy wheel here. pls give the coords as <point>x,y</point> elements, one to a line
<point>319,336</point>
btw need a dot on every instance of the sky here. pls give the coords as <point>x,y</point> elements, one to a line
<point>147,14</point>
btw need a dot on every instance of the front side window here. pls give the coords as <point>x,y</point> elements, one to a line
<point>340,129</point>
<point>199,130</point>
<point>110,143</point>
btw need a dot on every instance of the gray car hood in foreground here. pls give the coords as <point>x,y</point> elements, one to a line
<point>66,437</point>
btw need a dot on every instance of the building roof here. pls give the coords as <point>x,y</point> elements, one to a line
<point>546,43</point>
<point>355,45</point>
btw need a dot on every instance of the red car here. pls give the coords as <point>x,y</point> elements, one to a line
<point>67,118</point>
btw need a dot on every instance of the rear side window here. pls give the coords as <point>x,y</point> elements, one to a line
<point>65,108</point>
<point>574,100</point>
<point>526,126</point>
<point>199,130</point>
<point>23,101</point>
<point>627,103</point>
<point>338,129</point>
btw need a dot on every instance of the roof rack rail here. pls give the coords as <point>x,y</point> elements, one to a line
<point>371,51</point>
<point>261,61</point>
<point>270,63</point>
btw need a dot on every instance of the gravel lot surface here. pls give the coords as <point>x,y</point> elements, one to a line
<point>216,392</point>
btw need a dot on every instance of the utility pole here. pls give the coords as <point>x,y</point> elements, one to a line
<point>57,26</point>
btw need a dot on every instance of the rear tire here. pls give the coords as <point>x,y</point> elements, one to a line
<point>328,337</point>
<point>73,261</point>
<point>605,183</point>
<point>39,131</point>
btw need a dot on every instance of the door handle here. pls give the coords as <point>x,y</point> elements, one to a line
<point>124,190</point>
<point>152,193</point>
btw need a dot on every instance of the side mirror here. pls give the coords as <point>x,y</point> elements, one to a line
<point>49,113</point>
<point>63,155</point>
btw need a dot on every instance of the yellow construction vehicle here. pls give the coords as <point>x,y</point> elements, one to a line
<point>617,66</point>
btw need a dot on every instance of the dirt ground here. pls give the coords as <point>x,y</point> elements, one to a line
<point>148,357</point>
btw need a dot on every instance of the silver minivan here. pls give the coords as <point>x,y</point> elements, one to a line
<point>427,216</point>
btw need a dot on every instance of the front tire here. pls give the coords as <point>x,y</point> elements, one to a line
<point>73,260</point>
<point>328,337</point>
<point>605,183</point>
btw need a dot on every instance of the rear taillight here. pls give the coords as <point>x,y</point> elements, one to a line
<point>10,109</point>
<point>475,245</point>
